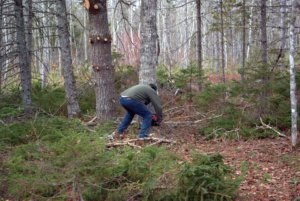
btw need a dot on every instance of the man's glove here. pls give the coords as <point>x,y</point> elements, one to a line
<point>155,121</point>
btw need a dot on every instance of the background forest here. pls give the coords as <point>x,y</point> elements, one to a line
<point>226,71</point>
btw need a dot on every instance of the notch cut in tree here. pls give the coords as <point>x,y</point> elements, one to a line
<point>93,6</point>
<point>101,59</point>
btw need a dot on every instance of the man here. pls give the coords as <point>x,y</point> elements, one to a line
<point>134,100</point>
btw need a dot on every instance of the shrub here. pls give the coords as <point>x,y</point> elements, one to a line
<point>207,178</point>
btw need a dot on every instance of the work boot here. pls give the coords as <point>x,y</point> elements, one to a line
<point>119,136</point>
<point>140,142</point>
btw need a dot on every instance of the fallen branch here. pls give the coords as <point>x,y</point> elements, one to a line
<point>130,142</point>
<point>271,128</point>
<point>118,144</point>
<point>92,122</point>
<point>192,122</point>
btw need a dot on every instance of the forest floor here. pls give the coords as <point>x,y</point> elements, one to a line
<point>270,168</point>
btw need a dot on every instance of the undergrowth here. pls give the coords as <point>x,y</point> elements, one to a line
<point>59,159</point>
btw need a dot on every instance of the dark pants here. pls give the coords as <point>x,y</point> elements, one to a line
<point>135,107</point>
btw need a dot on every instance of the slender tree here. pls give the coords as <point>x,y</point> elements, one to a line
<point>294,113</point>
<point>283,22</point>
<point>222,41</point>
<point>69,80</point>
<point>23,54</point>
<point>244,40</point>
<point>101,59</point>
<point>264,54</point>
<point>149,39</point>
<point>263,29</point>
<point>199,43</point>
<point>1,44</point>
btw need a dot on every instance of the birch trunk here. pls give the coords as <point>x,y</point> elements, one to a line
<point>294,113</point>
<point>45,44</point>
<point>101,59</point>
<point>250,31</point>
<point>149,38</point>
<point>25,70</point>
<point>85,45</point>
<point>66,59</point>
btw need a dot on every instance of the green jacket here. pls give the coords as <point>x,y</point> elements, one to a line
<point>145,94</point>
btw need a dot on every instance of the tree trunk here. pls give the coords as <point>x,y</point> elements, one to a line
<point>199,43</point>
<point>85,40</point>
<point>186,35</point>
<point>101,59</point>
<point>250,31</point>
<point>149,38</point>
<point>263,28</point>
<point>25,70</point>
<point>222,42</point>
<point>294,113</point>
<point>264,55</point>
<point>244,41</point>
<point>66,58</point>
<point>283,12</point>
<point>2,52</point>
<point>28,23</point>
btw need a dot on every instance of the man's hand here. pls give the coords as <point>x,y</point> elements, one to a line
<point>155,121</point>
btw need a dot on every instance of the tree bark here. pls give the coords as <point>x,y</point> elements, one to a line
<point>244,41</point>
<point>222,42</point>
<point>2,52</point>
<point>24,65</point>
<point>264,55</point>
<point>250,31</point>
<point>283,19</point>
<point>294,113</point>
<point>28,23</point>
<point>186,35</point>
<point>101,59</point>
<point>66,59</point>
<point>199,43</point>
<point>149,39</point>
<point>263,28</point>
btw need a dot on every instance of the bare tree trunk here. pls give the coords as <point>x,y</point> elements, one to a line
<point>45,43</point>
<point>25,70</point>
<point>264,55</point>
<point>149,38</point>
<point>250,31</point>
<point>222,42</point>
<point>294,112</point>
<point>2,52</point>
<point>244,40</point>
<point>28,23</point>
<point>101,59</point>
<point>263,28</point>
<point>69,80</point>
<point>85,40</point>
<point>283,12</point>
<point>186,33</point>
<point>199,43</point>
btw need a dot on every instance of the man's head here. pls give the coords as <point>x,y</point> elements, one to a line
<point>153,86</point>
